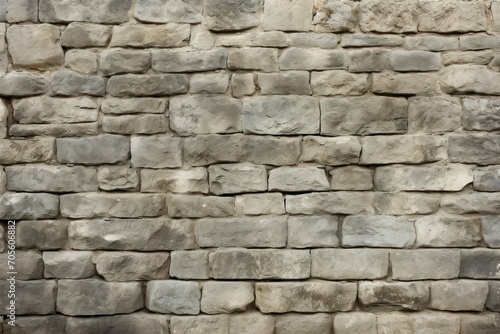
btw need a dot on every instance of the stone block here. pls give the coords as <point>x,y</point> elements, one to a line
<point>338,82</point>
<point>274,151</point>
<point>226,297</point>
<point>481,114</point>
<point>355,322</point>
<point>418,323</point>
<point>405,203</point>
<point>242,84</point>
<point>362,40</point>
<point>301,323</point>
<point>254,38</point>
<point>331,151</point>
<point>313,59</point>
<point>466,79</point>
<point>20,11</point>
<point>490,228</point>
<point>41,234</point>
<point>337,264</point>
<point>209,83</point>
<point>341,202</point>
<point>147,85</point>
<point>351,178</point>
<point>434,114</point>
<point>150,36</point>
<point>201,38</point>
<point>431,43</point>
<point>107,11</point>
<point>78,297</point>
<point>421,264</point>
<point>81,61</point>
<point>396,16</point>
<point>288,16</point>
<point>472,203</point>
<point>305,39</point>
<point>286,83</point>
<point>145,105</point>
<point>162,11</point>
<point>260,204</point>
<point>486,323</point>
<point>20,84</point>
<point>156,151</point>
<point>171,296</point>
<point>203,150</point>
<point>298,179</point>
<point>117,61</point>
<point>4,114</point>
<point>479,41</point>
<point>468,57</point>
<point>493,299</point>
<point>132,266</point>
<point>189,264</point>
<point>68,264</point>
<point>227,15</point>
<point>480,150</point>
<point>259,264</point>
<point>199,206</point>
<point>69,83</point>
<point>84,35</point>
<point>193,180</point>
<point>193,61</point>
<point>259,59</point>
<point>93,150</point>
<point>118,324</point>
<point>41,324</point>
<point>480,263</point>
<point>135,124</point>
<point>213,324</point>
<point>251,322</point>
<point>406,296</point>
<point>26,151</point>
<point>312,231</point>
<point>366,60</point>
<point>446,16</point>
<point>131,234</point>
<point>37,297</point>
<point>461,295</point>
<point>117,177</point>
<point>434,231</point>
<point>405,83</point>
<point>41,205</point>
<point>414,61</point>
<point>305,297</point>
<point>335,16</point>
<point>237,178</point>
<point>28,264</point>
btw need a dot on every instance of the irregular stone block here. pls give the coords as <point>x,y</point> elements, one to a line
<point>226,297</point>
<point>68,264</point>
<point>20,84</point>
<point>189,264</point>
<point>20,11</point>
<point>290,115</point>
<point>280,151</point>
<point>397,16</point>
<point>254,38</point>
<point>405,83</point>
<point>431,43</point>
<point>28,264</point>
<point>490,227</point>
<point>337,264</point>
<point>312,231</point>
<point>434,114</point>
<point>78,297</point>
<point>28,206</point>
<point>41,39</point>
<point>41,234</point>
<point>266,231</point>
<point>331,151</point>
<point>362,40</point>
<point>462,295</point>
<point>54,130</point>
<point>107,11</point>
<point>210,83</point>
<point>436,231</point>
<point>113,105</point>
<point>298,179</point>
<point>135,124</point>
<point>194,180</point>
<point>201,38</point>
<point>407,296</point>
<point>472,203</point>
<point>198,206</point>
<point>26,151</point>
<point>132,266</point>
<point>288,16</point>
<point>226,15</point>
<point>313,59</point>
<point>324,41</point>
<point>306,297</point>
<point>237,178</point>
<point>421,322</point>
<point>129,234</point>
<point>242,84</point>
<point>117,177</point>
<point>84,35</point>
<point>162,11</point>
<point>93,150</point>
<point>214,324</point>
<point>68,83</point>
<point>259,59</point>
<point>335,16</point>
<point>37,297</point>
<point>481,114</point>
<point>405,203</point>
<point>466,79</point>
<point>420,264</point>
<point>339,83</point>
<point>485,323</point>
<point>117,61</point>
<point>480,263</point>
<point>286,83</point>
<point>176,297</point>
<point>241,263</point>
<point>118,324</point>
<point>493,300</point>
<point>341,202</point>
<point>468,57</point>
<point>91,205</point>
<point>363,115</point>
<point>351,178</point>
<point>147,85</point>
<point>156,151</point>
<point>479,41</point>
<point>480,150</point>
<point>412,149</point>
<point>355,322</point>
<point>45,324</point>
<point>81,61</point>
<point>377,231</point>
<point>251,322</point>
<point>147,36</point>
<point>445,16</point>
<point>194,61</point>
<point>297,323</point>
<point>414,61</point>
<point>260,204</point>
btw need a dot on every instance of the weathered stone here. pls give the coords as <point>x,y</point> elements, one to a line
<point>396,16</point>
<point>425,264</point>
<point>210,83</point>
<point>431,43</point>
<point>41,234</point>
<point>118,324</point>
<point>28,206</point>
<point>117,61</point>
<point>132,266</point>
<point>362,40</point>
<point>495,11</point>
<point>480,150</point>
<point>4,113</point>
<point>298,179</point>
<point>273,151</point>
<point>378,231</point>
<point>486,323</point>
<point>266,231</point>
<point>43,178</point>
<point>355,322</point>
<point>162,11</point>
<point>20,84</point>
<point>171,296</point>
<point>177,181</point>
<point>472,203</point>
<point>324,41</point>
<point>189,264</point>
<point>214,324</point>
<point>241,263</point>
<point>493,300</point>
<point>201,38</point>
<point>281,115</point>
<point>135,124</point>
<point>465,79</point>
<point>480,263</point>
<point>404,203</point>
<point>312,231</point>
<point>481,114</point>
<point>286,83</point>
<point>4,58</point>
<point>201,115</point>
<point>194,61</point>
<point>91,205</point>
<point>37,297</point>
<point>251,322</point>
<point>339,83</point>
<point>45,324</point>
<point>301,323</point>
<point>288,16</point>
<point>107,11</point>
<point>68,264</point>
<point>242,84</point>
<point>447,232</point>
<point>363,115</point>
<point>414,61</point>
<point>68,83</point>
<point>478,42</point>
<point>468,57</point>
<point>434,114</point>
<point>342,202</point>
<point>410,296</point>
<point>368,60</point>
<point>226,297</point>
<point>351,178</point>
<point>28,265</point>
<point>147,85</point>
<point>413,149</point>
<point>335,16</point>
<point>117,177</point>
<point>41,39</point>
<point>237,178</point>
<point>451,16</point>
<point>81,61</point>
<point>93,150</point>
<point>260,59</point>
<point>20,11</point>
<point>331,151</point>
<point>313,59</point>
<point>260,204</point>
<point>405,83</point>
<point>198,206</point>
<point>306,297</point>
<point>144,36</point>
<point>462,295</point>
<point>337,264</point>
<point>117,106</point>
<point>54,130</point>
<point>130,234</point>
<point>490,227</point>
<point>254,38</point>
<point>83,35</point>
<point>156,151</point>
<point>78,297</point>
<point>224,15</point>
<point>418,322</point>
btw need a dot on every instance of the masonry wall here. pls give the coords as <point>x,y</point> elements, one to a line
<point>251,166</point>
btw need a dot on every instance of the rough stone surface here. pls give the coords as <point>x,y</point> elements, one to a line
<point>142,35</point>
<point>38,297</point>
<point>294,324</point>
<point>343,202</point>
<point>425,264</point>
<point>189,264</point>
<point>43,324</point>
<point>197,206</point>
<point>331,151</point>
<point>68,264</point>
<point>435,231</point>
<point>112,105</point>
<point>135,124</point>
<point>288,83</point>
<point>462,295</point>
<point>81,61</point>
<point>156,151</point>
<point>210,83</point>
<point>471,203</point>
<point>108,11</point>
<point>313,59</point>
<point>251,322</point>
<point>42,234</point>
<point>178,181</point>
<point>20,84</point>
<point>117,177</point>
<point>434,114</point>
<point>389,16</point>
<point>83,35</point>
<point>282,15</point>
<point>351,178</point>
<point>481,150</point>
<point>405,83</point>
<point>493,299</point>
<point>194,61</point>
<point>237,178</point>
<point>231,15</point>
<point>405,203</point>
<point>147,85</point>
<point>176,297</point>
<point>226,297</point>
<point>339,83</point>
<point>312,231</point>
<point>464,79</point>
<point>293,179</point>
<point>28,263</point>
<point>162,11</point>
<point>260,204</point>
<point>117,61</point>
<point>490,227</point>
<point>68,83</point>
<point>28,206</point>
<point>481,114</point>
<point>355,322</point>
<point>480,263</point>
<point>216,324</point>
<point>261,59</point>
<point>444,16</point>
<point>132,266</point>
<point>116,324</point>
<point>93,150</point>
<point>407,296</point>
<point>368,60</point>
<point>242,84</point>
<point>414,61</point>
<point>432,43</point>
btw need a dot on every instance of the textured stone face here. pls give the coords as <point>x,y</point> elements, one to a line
<point>131,266</point>
<point>195,61</point>
<point>177,181</point>
<point>448,232</point>
<point>480,149</point>
<point>263,59</point>
<point>329,203</point>
<point>312,231</point>
<point>425,264</point>
<point>434,114</point>
<point>283,15</point>
<point>481,114</point>
<point>42,234</point>
<point>389,16</point>
<point>331,151</point>
<point>335,16</point>
<point>156,151</point>
<point>226,297</point>
<point>41,205</point>
<point>339,83</point>
<point>108,11</point>
<point>68,83</point>
<point>313,59</point>
<point>68,264</point>
<point>38,297</point>
<point>409,296</point>
<point>173,297</point>
<point>288,83</point>
<point>345,323</point>
<point>117,177</point>
<point>147,85</point>
<point>196,206</point>
<point>462,295</point>
<point>290,179</point>
<point>231,15</point>
<point>480,263</point>
<point>29,263</point>
<point>217,324</point>
<point>93,150</point>
<point>444,16</point>
<point>116,324</point>
<point>189,264</point>
<point>463,79</point>
<point>81,35</point>
<point>294,324</point>
<point>162,11</point>
<point>237,178</point>
<point>19,84</point>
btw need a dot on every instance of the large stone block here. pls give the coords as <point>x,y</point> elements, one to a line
<point>254,38</point>
<point>20,11</point>
<point>468,57</point>
<point>362,40</point>
<point>434,114</point>
<point>397,16</point>
<point>132,266</point>
<point>250,323</point>
<point>171,296</point>
<point>462,295</point>
<point>199,206</point>
<point>118,324</point>
<point>209,83</point>
<point>117,61</point>
<point>431,43</point>
<point>93,150</point>
<point>339,82</point>
<point>41,234</point>
<point>81,61</point>
<point>237,178</point>
<point>144,36</point>
<point>298,179</point>
<point>214,324</point>
<point>242,84</point>
<point>20,84</point>
<point>472,203</point>
<point>145,105</point>
<point>135,124</point>
<point>479,41</point>
<point>420,264</point>
<point>331,151</point>
<point>480,150</point>
<point>355,322</point>
<point>193,180</point>
<point>162,11</point>
<point>480,263</point>
<point>367,60</point>
<point>78,297</point>
<point>117,177</point>
<point>313,59</point>
<point>189,264</point>
<point>405,203</point>
<point>407,296</point>
<point>69,83</point>
<point>305,297</point>
<point>446,16</point>
<point>83,35</point>
<point>341,202</point>
<point>26,151</point>
<point>28,264</point>
<point>286,15</point>
<point>241,263</point>
<point>405,83</point>
<point>156,151</point>
<point>351,178</point>
<point>107,11</point>
<point>193,61</point>
<point>28,206</point>
<point>224,15</point>
<point>226,297</point>
<point>434,231</point>
<point>260,204</point>
<point>286,83</point>
<point>309,39</point>
<point>490,227</point>
<point>312,231</point>
<point>37,297</point>
<point>42,324</point>
<point>335,16</point>
<point>302,323</point>
<point>486,323</point>
<point>68,264</point>
<point>466,79</point>
<point>130,234</point>
<point>414,61</point>
<point>147,85</point>
<point>481,114</point>
<point>260,59</point>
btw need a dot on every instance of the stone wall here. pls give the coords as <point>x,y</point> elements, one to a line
<point>251,166</point>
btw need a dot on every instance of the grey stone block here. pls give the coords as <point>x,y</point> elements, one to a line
<point>83,35</point>
<point>193,61</point>
<point>409,265</point>
<point>405,203</point>
<point>171,296</point>
<point>302,323</point>
<point>198,206</point>
<point>312,231</point>
<point>157,36</point>
<point>261,59</point>
<point>331,151</point>
<point>414,61</point>
<point>41,205</point>
<point>147,85</point>
<point>28,265</point>
<point>189,264</point>
<point>237,178</point>
<point>21,84</point>
<point>280,15</point>
<point>434,114</point>
<point>462,295</point>
<point>286,83</point>
<point>226,297</point>
<point>434,231</point>
<point>313,59</point>
<point>480,263</point>
<point>158,151</point>
<point>68,264</point>
<point>260,204</point>
<point>227,15</point>
<point>37,297</point>
<point>135,124</point>
<point>42,234</point>
<point>107,11</point>
<point>298,179</point>
<point>193,180</point>
<point>118,324</point>
<point>162,11</point>
<point>93,150</point>
<point>117,177</point>
<point>117,61</point>
<point>342,202</point>
<point>406,296</point>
